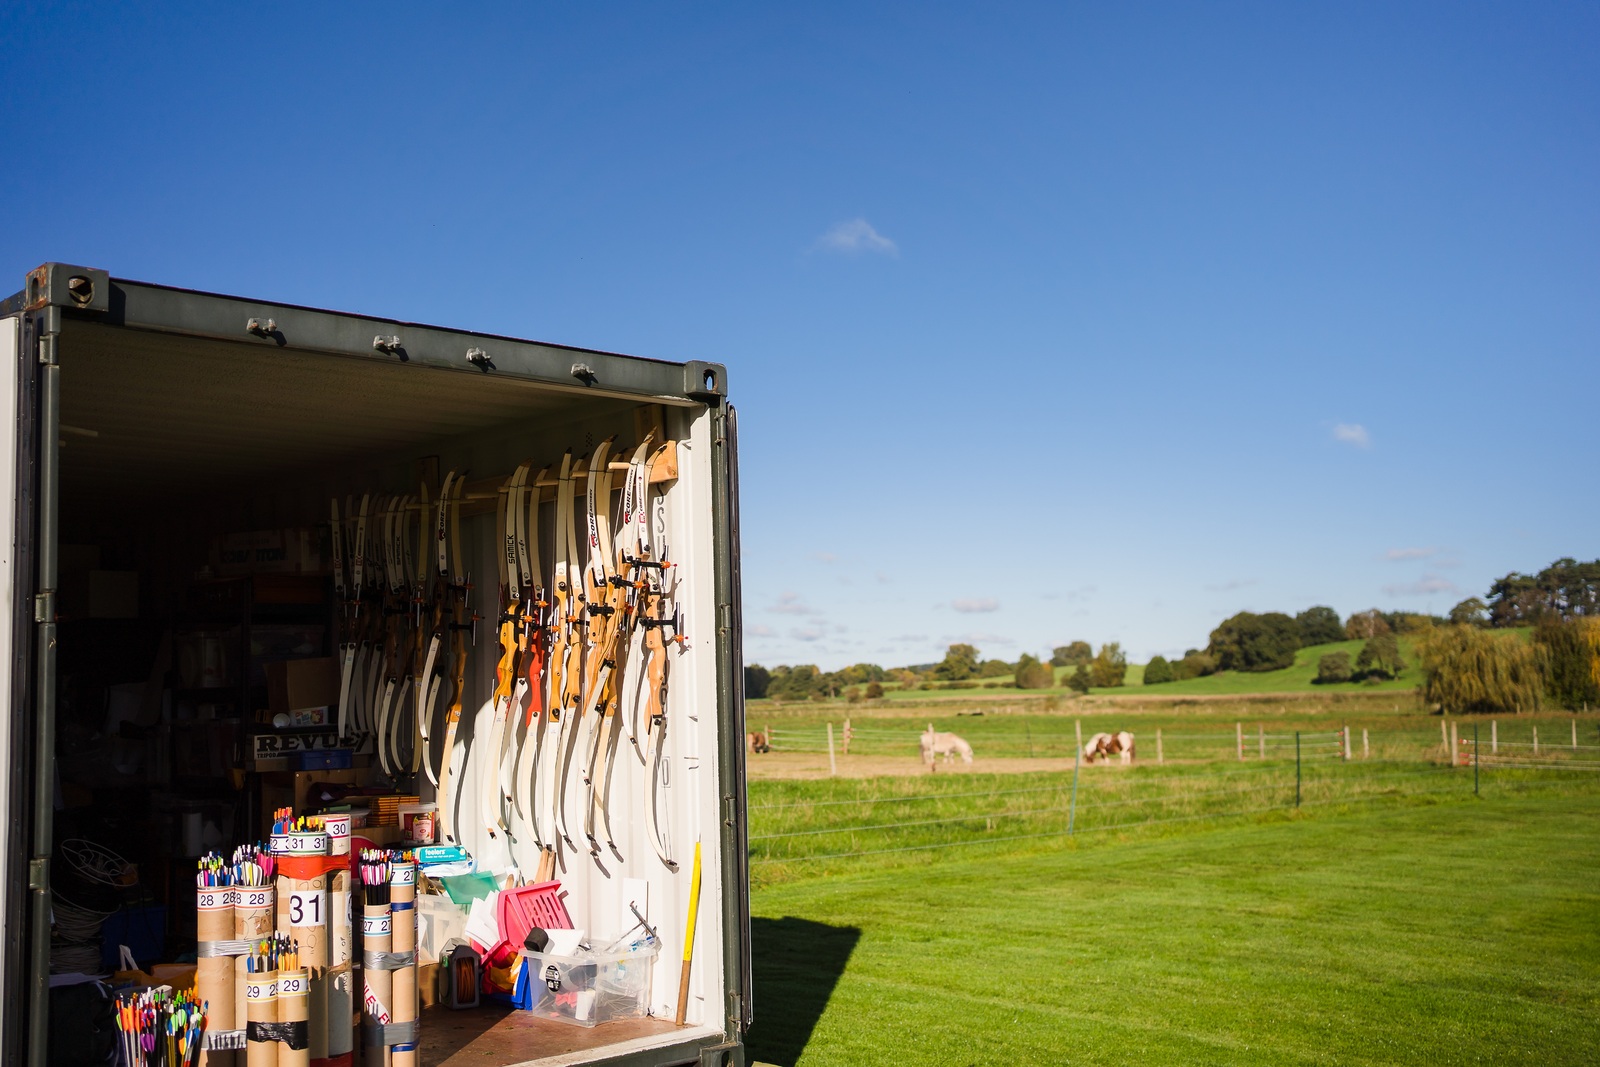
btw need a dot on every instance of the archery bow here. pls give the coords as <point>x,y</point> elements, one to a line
<point>598,594</point>
<point>564,646</point>
<point>608,685</point>
<point>428,688</point>
<point>653,559</point>
<point>574,679</point>
<point>347,648</point>
<point>461,622</point>
<point>489,769</point>
<point>530,681</point>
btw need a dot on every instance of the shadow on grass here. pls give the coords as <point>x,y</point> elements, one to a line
<point>797,963</point>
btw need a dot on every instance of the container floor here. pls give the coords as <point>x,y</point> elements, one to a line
<point>495,1036</point>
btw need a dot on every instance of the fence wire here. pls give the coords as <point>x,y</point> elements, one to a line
<point>1323,775</point>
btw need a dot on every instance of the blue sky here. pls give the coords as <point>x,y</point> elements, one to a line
<point>1043,321</point>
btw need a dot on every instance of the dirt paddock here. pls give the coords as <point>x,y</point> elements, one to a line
<point>815,765</point>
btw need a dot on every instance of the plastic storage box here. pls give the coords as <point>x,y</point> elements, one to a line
<point>588,990</point>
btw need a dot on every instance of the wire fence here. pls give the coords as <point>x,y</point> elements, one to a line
<point>1002,739</point>
<point>793,823</point>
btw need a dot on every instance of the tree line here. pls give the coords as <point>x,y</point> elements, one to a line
<point>1466,665</point>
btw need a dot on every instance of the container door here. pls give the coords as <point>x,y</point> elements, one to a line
<point>741,815</point>
<point>16,622</point>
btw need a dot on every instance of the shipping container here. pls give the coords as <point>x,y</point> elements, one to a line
<point>172,610</point>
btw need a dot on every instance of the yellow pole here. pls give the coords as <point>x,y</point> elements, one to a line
<point>688,938</point>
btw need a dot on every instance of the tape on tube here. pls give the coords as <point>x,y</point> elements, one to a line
<point>211,949</point>
<point>296,1035</point>
<point>390,1033</point>
<point>223,1040</point>
<point>388,961</point>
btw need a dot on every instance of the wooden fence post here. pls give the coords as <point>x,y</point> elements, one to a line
<point>1574,733</point>
<point>1077,728</point>
<point>1454,749</point>
<point>1161,757</point>
<point>1535,740</point>
<point>845,739</point>
<point>1444,737</point>
<point>1494,737</point>
<point>1261,740</point>
<point>1366,749</point>
<point>1238,729</point>
<point>833,769</point>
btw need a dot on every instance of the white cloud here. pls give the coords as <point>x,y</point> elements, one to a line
<point>1352,433</point>
<point>854,237</point>
<point>1080,594</point>
<point>1410,553</point>
<point>979,639</point>
<point>824,557</point>
<point>1429,585</point>
<point>910,639</point>
<point>883,579</point>
<point>791,604</point>
<point>1231,584</point>
<point>976,605</point>
<point>808,634</point>
<point>758,630</point>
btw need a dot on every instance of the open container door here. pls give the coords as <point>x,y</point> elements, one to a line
<point>736,896</point>
<point>15,620</point>
<point>30,404</point>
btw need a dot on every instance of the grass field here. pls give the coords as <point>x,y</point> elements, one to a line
<point>1428,928</point>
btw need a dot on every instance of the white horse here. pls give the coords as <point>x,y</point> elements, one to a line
<point>949,746</point>
<point>1108,745</point>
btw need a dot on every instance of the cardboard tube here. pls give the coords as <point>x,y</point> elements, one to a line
<point>377,995</point>
<point>403,927</point>
<point>252,921</point>
<point>308,919</point>
<point>342,1005</point>
<point>293,994</point>
<point>213,979</point>
<point>309,900</point>
<point>262,998</point>
<point>339,994</point>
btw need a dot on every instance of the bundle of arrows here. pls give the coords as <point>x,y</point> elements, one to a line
<point>587,611</point>
<point>160,1028</point>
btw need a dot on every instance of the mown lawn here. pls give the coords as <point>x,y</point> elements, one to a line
<point>1418,931</point>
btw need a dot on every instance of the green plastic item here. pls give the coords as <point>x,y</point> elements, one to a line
<point>465,888</point>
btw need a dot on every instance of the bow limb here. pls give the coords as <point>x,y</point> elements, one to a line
<point>655,701</point>
<point>572,666</point>
<point>383,727</point>
<point>428,702</point>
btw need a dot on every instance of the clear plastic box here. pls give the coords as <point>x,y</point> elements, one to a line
<point>587,990</point>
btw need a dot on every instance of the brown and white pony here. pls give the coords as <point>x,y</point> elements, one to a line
<point>1108,745</point>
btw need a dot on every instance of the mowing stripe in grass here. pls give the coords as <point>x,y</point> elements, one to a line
<point>1018,837</point>
<point>1257,768</point>
<point>1169,798</point>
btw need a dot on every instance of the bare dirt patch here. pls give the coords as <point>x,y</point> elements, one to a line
<point>815,765</point>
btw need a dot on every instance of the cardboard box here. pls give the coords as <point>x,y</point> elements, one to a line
<point>292,789</point>
<point>301,687</point>
<point>297,550</point>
